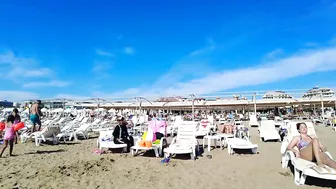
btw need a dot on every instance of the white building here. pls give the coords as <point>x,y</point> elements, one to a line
<point>316,93</point>
<point>277,95</point>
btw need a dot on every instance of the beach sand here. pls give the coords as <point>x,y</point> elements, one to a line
<point>74,165</point>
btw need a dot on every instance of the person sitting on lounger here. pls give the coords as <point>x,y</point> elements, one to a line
<point>310,148</point>
<point>120,134</point>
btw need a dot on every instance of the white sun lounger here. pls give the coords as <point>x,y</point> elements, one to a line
<point>48,133</point>
<point>203,129</point>
<point>303,168</point>
<point>242,144</point>
<point>253,121</point>
<point>185,142</point>
<point>267,131</point>
<point>105,140</point>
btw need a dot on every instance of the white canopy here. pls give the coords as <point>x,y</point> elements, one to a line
<point>8,110</point>
<point>100,110</point>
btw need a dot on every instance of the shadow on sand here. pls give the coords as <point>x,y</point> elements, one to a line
<point>46,151</point>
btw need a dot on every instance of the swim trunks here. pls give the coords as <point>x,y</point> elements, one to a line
<point>34,118</point>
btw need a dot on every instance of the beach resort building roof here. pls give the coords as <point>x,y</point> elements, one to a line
<point>316,92</point>
<point>171,99</point>
<point>277,95</point>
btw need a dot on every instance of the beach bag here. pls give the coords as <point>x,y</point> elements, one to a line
<point>148,136</point>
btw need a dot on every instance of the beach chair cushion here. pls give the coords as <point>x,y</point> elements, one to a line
<point>324,170</point>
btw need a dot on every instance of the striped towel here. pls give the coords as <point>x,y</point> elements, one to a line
<point>204,123</point>
<point>324,170</point>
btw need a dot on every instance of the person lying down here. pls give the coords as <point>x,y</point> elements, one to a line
<point>310,148</point>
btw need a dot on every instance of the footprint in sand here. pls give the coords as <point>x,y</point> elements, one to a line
<point>286,174</point>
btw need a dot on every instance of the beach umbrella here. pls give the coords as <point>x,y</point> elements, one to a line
<point>98,101</point>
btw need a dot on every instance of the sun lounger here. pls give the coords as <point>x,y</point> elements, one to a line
<point>172,128</point>
<point>48,133</point>
<point>253,121</point>
<point>242,144</point>
<point>105,140</point>
<point>303,168</point>
<point>185,142</point>
<point>157,146</point>
<point>203,129</point>
<point>267,131</point>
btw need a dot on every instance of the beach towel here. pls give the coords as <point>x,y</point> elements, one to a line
<point>204,123</point>
<point>153,126</point>
<point>324,170</point>
<point>163,127</point>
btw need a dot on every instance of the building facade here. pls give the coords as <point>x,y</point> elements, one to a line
<point>277,95</point>
<point>316,92</point>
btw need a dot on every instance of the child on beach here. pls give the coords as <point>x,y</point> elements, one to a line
<point>9,135</point>
<point>2,121</point>
<point>17,119</point>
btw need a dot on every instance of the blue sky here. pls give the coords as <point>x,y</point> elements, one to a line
<point>161,48</point>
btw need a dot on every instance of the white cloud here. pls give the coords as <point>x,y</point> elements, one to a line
<point>104,53</point>
<point>20,69</point>
<point>299,64</point>
<point>23,72</point>
<point>274,54</point>
<point>17,95</point>
<point>101,66</point>
<point>54,83</point>
<point>210,47</point>
<point>129,50</point>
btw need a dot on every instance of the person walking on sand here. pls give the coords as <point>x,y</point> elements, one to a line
<point>17,119</point>
<point>9,135</point>
<point>35,116</point>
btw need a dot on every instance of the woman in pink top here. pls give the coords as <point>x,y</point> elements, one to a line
<point>9,135</point>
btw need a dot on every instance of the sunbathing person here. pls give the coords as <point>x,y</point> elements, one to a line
<point>310,148</point>
<point>120,134</point>
<point>228,129</point>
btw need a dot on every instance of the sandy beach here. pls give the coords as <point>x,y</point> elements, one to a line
<point>74,165</point>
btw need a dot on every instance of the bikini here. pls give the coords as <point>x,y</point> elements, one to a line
<point>302,144</point>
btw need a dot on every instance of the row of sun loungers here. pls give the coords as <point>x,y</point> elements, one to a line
<point>185,141</point>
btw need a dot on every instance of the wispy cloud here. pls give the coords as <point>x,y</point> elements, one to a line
<point>54,83</point>
<point>211,45</point>
<point>104,53</point>
<point>17,95</point>
<point>274,53</point>
<point>101,69</point>
<point>129,50</point>
<point>20,69</point>
<point>298,64</point>
<point>101,66</point>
